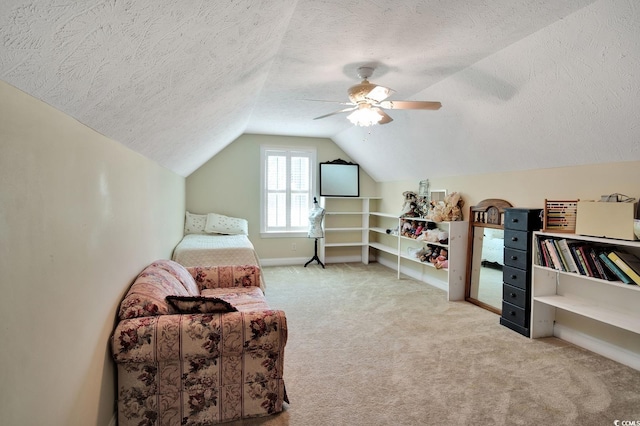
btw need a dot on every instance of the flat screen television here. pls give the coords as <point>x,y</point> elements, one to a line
<point>339,178</point>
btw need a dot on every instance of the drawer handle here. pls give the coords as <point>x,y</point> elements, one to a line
<point>514,238</point>
<point>512,295</point>
<point>514,220</point>
<point>514,257</point>
<point>512,313</point>
<point>513,277</point>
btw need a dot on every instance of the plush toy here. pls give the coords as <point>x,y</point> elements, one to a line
<point>409,205</point>
<point>422,206</point>
<point>425,254</point>
<point>447,210</point>
<point>442,260</point>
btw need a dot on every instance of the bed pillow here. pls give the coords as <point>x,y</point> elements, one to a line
<point>195,223</point>
<point>199,304</point>
<point>220,224</point>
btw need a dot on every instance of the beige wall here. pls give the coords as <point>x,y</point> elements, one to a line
<point>529,188</point>
<point>229,184</point>
<point>80,216</point>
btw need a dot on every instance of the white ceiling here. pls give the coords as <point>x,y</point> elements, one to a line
<point>524,83</point>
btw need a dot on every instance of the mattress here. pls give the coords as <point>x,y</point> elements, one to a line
<point>215,250</point>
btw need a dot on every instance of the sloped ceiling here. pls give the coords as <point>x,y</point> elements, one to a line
<point>524,83</point>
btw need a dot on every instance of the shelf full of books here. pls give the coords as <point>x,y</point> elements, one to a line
<point>591,277</point>
<point>589,258</point>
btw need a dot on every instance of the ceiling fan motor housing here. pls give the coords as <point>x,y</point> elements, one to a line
<point>359,92</point>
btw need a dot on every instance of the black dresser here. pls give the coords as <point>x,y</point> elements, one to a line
<point>519,224</point>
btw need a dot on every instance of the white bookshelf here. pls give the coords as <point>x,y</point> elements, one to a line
<point>612,303</point>
<point>346,228</point>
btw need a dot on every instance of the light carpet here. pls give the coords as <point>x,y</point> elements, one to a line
<point>368,349</point>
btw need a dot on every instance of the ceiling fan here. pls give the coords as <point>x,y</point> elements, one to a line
<point>368,101</point>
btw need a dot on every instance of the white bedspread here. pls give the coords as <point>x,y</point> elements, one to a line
<point>215,250</point>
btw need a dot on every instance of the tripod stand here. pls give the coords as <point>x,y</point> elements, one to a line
<point>315,257</point>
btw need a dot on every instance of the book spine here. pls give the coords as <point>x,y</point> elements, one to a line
<point>625,268</point>
<point>557,264</point>
<point>563,261</point>
<point>621,275</point>
<point>568,256</point>
<point>576,256</point>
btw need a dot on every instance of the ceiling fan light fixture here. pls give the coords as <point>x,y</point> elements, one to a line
<point>364,116</point>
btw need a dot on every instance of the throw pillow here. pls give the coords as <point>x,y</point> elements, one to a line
<point>195,223</point>
<point>200,304</point>
<point>221,224</point>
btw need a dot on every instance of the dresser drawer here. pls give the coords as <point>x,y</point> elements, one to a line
<point>516,239</point>
<point>514,314</point>
<point>514,295</point>
<point>522,219</point>
<point>516,258</point>
<point>515,277</point>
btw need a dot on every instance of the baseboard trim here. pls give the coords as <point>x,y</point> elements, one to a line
<point>284,261</point>
<point>606,349</point>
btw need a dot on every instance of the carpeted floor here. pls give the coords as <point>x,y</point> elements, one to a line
<point>368,349</point>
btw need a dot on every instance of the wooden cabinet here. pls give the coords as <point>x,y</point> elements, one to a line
<point>516,289</point>
<point>611,306</point>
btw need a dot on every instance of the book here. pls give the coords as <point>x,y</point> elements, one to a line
<point>621,275</point>
<point>619,259</point>
<point>591,266</point>
<point>565,265</point>
<point>568,256</point>
<point>576,256</point>
<point>605,273</point>
<point>551,248</point>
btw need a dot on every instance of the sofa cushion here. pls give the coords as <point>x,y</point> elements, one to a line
<point>241,298</point>
<point>147,295</point>
<point>199,304</point>
<point>180,272</point>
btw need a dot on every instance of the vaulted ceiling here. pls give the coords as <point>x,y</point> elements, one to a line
<point>524,83</point>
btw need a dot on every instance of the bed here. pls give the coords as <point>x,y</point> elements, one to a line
<point>215,250</point>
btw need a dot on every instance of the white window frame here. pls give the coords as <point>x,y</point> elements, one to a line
<point>287,231</point>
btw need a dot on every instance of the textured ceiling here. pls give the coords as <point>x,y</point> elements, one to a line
<point>178,81</point>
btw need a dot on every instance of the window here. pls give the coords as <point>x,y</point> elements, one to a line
<point>288,184</point>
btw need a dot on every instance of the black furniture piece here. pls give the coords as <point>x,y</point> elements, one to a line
<point>519,224</point>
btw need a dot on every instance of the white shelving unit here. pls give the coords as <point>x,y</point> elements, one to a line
<point>450,279</point>
<point>346,226</point>
<point>609,302</point>
<point>353,228</point>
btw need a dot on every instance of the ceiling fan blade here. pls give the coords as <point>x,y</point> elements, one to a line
<point>409,105</point>
<point>336,112</point>
<point>385,117</point>
<point>379,93</point>
<point>330,102</point>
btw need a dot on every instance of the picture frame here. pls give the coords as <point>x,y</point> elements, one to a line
<point>436,195</point>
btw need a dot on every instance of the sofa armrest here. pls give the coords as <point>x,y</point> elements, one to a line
<point>226,276</point>
<point>189,336</point>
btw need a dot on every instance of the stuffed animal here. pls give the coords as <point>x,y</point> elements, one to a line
<point>447,210</point>
<point>409,205</point>
<point>442,260</point>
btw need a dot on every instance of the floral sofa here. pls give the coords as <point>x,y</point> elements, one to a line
<point>198,346</point>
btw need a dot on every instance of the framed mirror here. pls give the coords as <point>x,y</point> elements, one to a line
<point>485,256</point>
<point>339,178</point>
